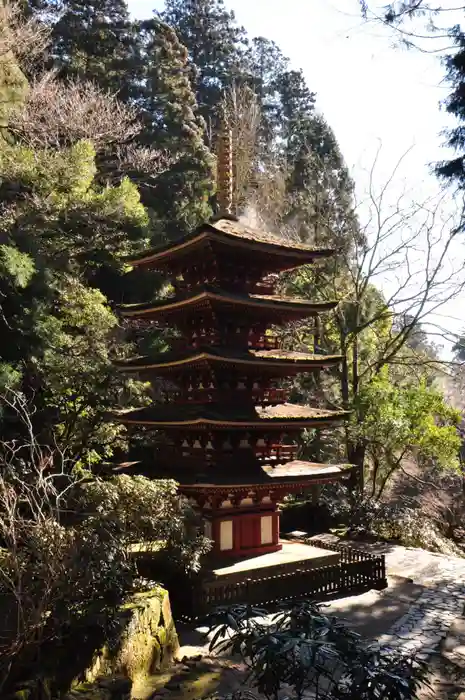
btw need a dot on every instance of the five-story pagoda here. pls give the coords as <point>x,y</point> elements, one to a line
<point>231,434</point>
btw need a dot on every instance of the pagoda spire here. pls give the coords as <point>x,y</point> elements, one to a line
<point>225,170</point>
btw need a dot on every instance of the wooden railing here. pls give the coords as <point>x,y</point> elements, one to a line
<point>271,395</point>
<point>254,341</point>
<point>262,342</point>
<point>278,453</point>
<point>259,396</point>
<point>357,571</point>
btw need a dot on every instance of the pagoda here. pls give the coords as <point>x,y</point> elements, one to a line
<point>230,437</point>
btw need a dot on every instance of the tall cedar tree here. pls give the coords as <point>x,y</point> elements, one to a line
<point>265,64</point>
<point>215,45</point>
<point>172,122</point>
<point>319,189</point>
<point>93,40</point>
<point>146,65</point>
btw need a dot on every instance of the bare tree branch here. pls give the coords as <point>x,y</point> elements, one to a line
<point>25,38</point>
<point>57,114</point>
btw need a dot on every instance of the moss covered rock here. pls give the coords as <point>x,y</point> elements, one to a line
<point>145,641</point>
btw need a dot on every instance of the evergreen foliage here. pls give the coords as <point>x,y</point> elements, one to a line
<point>175,70</point>
<point>215,46</point>
<point>64,237</point>
<point>93,41</point>
<point>172,122</point>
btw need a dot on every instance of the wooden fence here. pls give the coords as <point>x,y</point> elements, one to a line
<point>356,572</point>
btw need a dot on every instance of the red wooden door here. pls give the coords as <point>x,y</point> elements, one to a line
<point>249,530</point>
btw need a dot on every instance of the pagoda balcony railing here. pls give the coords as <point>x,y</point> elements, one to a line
<point>254,341</point>
<point>263,288</point>
<point>270,396</point>
<point>199,456</point>
<point>277,453</point>
<point>257,341</point>
<point>193,343</point>
<point>183,287</point>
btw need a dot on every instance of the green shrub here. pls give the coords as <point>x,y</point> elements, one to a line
<point>302,652</point>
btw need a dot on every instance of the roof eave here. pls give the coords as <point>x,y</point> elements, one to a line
<point>202,423</point>
<point>208,231</point>
<point>276,304</point>
<point>259,363</point>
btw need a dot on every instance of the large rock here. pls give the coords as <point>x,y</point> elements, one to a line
<point>145,642</point>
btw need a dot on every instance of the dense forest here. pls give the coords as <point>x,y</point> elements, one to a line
<point>108,139</point>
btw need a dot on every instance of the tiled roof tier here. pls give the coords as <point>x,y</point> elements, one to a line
<point>230,416</point>
<point>213,479</point>
<point>286,308</point>
<point>226,234</point>
<point>209,356</point>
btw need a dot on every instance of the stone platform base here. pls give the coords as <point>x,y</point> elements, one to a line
<point>291,557</point>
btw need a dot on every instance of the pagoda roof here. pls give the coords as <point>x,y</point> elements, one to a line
<point>216,356</point>
<point>230,416</point>
<point>226,232</point>
<point>208,295</point>
<point>215,479</point>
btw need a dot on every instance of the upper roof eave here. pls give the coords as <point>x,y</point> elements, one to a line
<point>237,234</point>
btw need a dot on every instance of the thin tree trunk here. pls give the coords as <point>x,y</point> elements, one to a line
<point>356,456</point>
<point>375,475</point>
<point>389,474</point>
<point>384,482</point>
<point>355,380</point>
<point>345,392</point>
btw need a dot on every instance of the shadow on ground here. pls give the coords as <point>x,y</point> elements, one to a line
<point>371,614</point>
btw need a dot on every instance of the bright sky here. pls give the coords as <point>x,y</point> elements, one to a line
<point>370,92</point>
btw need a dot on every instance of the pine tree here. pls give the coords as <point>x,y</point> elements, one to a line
<point>320,190</point>
<point>265,61</point>
<point>146,65</point>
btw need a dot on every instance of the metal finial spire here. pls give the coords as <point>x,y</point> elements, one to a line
<point>225,170</point>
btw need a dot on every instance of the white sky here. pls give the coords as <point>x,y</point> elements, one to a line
<point>370,92</point>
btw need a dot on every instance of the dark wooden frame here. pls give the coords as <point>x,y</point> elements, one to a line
<point>356,572</point>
